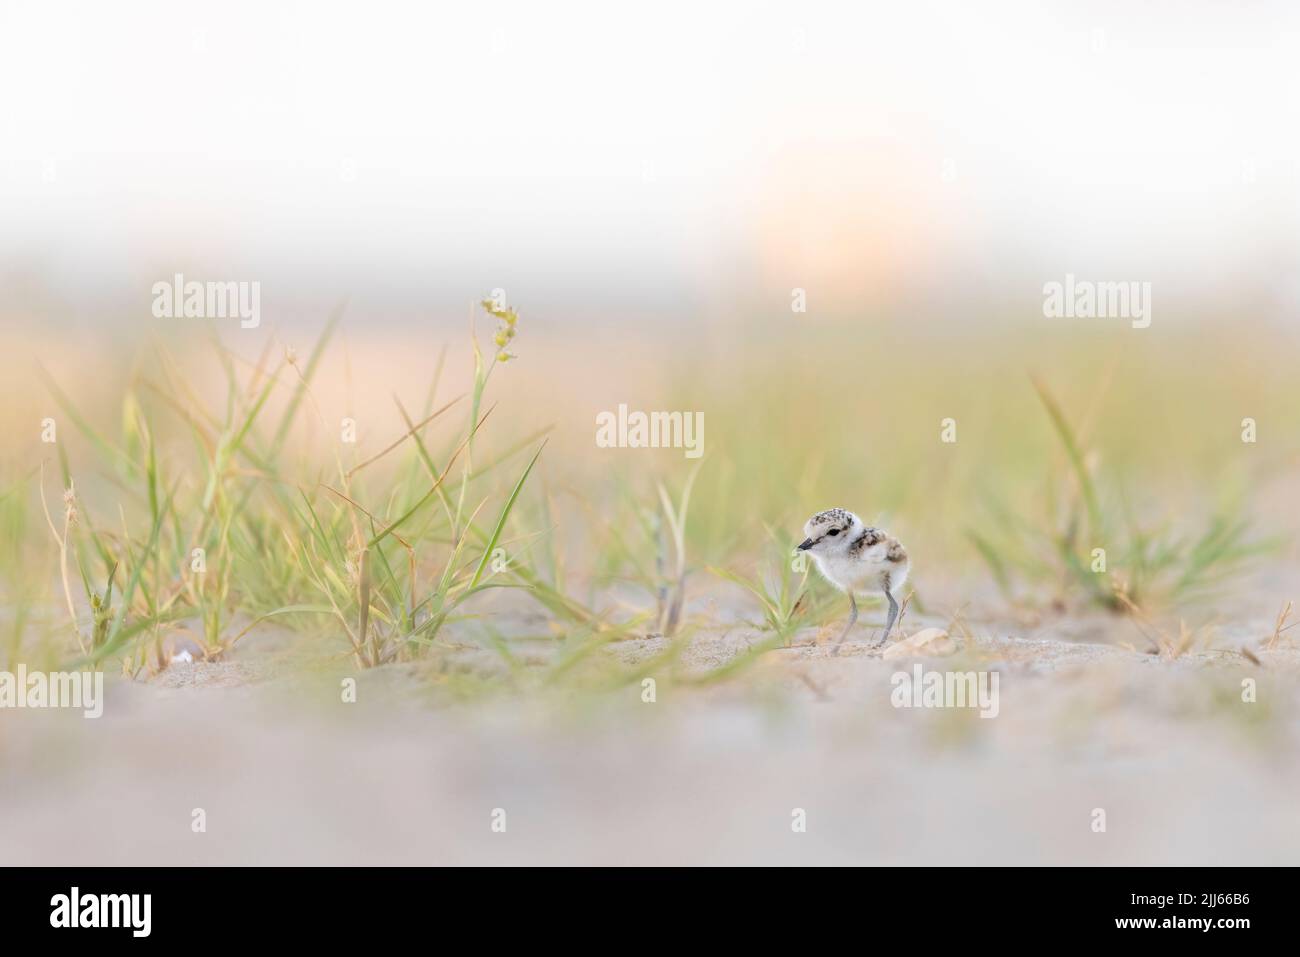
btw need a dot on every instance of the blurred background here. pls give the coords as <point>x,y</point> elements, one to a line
<point>654,189</point>
<point>651,188</point>
<point>680,164</point>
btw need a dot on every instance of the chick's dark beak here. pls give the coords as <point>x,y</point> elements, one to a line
<point>806,544</point>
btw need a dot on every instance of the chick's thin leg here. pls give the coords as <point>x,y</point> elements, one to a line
<point>853,616</point>
<point>893,617</point>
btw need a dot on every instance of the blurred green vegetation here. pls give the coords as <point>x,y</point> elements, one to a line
<point>1065,442</point>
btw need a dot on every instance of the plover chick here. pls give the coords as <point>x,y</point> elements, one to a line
<point>854,557</point>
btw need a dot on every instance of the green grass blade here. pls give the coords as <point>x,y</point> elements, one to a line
<point>1066,435</point>
<point>501,519</point>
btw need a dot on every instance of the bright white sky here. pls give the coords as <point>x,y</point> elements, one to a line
<point>406,145</point>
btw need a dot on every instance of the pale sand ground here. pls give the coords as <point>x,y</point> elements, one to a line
<point>1186,772</point>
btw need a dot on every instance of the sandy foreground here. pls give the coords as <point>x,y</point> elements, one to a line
<point>285,772</point>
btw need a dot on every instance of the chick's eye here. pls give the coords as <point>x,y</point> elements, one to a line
<point>833,532</point>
